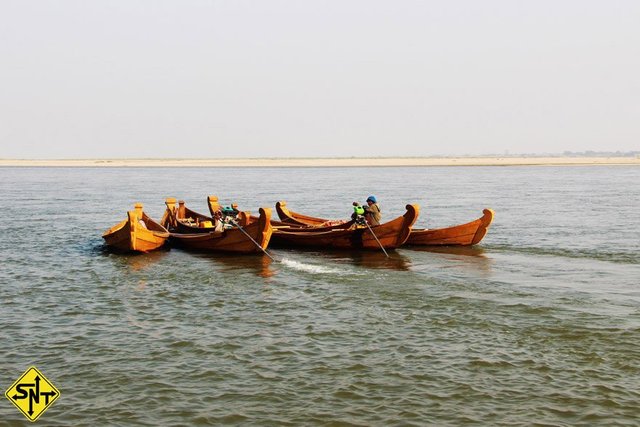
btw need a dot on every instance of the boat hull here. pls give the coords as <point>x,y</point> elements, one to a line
<point>131,236</point>
<point>390,235</point>
<point>468,234</point>
<point>232,240</point>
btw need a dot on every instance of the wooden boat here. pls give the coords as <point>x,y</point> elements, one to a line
<point>350,235</point>
<point>297,219</point>
<point>214,206</point>
<point>468,234</point>
<point>137,233</point>
<point>196,231</point>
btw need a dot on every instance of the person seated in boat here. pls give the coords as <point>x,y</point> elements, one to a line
<point>358,211</point>
<point>372,211</point>
<point>218,224</point>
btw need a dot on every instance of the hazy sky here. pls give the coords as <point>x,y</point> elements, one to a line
<point>84,79</point>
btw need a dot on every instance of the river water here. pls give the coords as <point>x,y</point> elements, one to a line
<point>537,325</point>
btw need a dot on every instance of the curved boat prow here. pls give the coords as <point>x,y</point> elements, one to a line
<point>243,219</point>
<point>169,216</point>
<point>282,211</point>
<point>410,217</point>
<point>213,204</point>
<point>133,217</point>
<point>485,222</point>
<point>265,227</point>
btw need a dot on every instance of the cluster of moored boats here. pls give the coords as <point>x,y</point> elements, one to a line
<point>227,229</point>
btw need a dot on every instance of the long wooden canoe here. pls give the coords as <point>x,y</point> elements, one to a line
<point>350,235</point>
<point>467,234</point>
<point>195,231</point>
<point>297,219</point>
<point>137,233</point>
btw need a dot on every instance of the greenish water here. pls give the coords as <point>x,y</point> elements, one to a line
<point>538,325</point>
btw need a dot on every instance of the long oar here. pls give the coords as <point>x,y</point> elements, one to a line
<point>376,237</point>
<point>251,238</point>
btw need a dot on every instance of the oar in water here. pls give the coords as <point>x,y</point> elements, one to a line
<point>232,222</point>
<point>376,237</point>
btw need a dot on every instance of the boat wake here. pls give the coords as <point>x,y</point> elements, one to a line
<point>309,268</point>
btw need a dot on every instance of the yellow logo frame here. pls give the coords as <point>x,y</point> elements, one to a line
<point>32,393</point>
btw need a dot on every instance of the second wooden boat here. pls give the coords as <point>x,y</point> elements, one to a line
<point>137,233</point>
<point>467,234</point>
<point>196,231</point>
<point>350,235</point>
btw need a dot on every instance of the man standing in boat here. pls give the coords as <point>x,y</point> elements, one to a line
<point>372,211</point>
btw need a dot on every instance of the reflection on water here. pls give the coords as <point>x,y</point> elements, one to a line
<point>257,264</point>
<point>395,261</point>
<point>136,261</point>
<point>474,251</point>
<point>470,259</point>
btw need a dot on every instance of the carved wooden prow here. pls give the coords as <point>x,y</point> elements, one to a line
<point>137,208</point>
<point>181,213</point>
<point>214,205</point>
<point>244,218</point>
<point>134,217</point>
<point>169,216</point>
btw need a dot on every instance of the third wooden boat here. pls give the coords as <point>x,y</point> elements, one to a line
<point>196,231</point>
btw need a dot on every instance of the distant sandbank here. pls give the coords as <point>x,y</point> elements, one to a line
<point>327,162</point>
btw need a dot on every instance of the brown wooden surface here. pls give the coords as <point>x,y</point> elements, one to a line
<point>130,236</point>
<point>467,234</point>
<point>288,217</point>
<point>214,205</point>
<point>391,234</point>
<point>207,239</point>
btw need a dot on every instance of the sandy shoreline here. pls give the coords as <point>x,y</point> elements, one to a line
<point>325,162</point>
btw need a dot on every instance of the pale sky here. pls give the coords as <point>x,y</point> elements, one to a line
<point>126,78</point>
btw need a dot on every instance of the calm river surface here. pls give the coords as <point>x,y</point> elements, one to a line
<point>539,324</point>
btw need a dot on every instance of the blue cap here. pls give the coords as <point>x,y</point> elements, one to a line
<point>372,198</point>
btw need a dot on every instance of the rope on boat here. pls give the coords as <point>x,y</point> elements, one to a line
<point>376,237</point>
<point>251,238</point>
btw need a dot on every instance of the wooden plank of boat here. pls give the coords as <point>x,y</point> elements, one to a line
<point>467,234</point>
<point>137,233</point>
<point>391,234</point>
<point>183,220</point>
<point>214,206</point>
<point>186,230</point>
<point>294,218</point>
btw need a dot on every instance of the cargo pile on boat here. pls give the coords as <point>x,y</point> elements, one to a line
<point>227,229</point>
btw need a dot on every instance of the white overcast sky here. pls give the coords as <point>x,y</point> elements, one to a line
<point>127,78</point>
